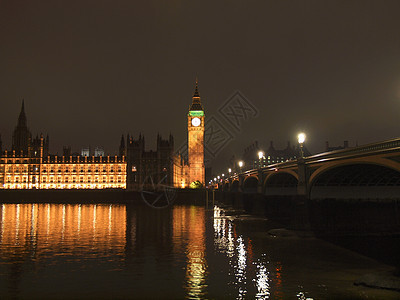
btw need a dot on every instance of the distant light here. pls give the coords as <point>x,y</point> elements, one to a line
<point>260,154</point>
<point>229,170</point>
<point>218,177</point>
<point>223,175</point>
<point>301,137</point>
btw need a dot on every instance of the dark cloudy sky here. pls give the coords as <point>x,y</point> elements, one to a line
<point>92,70</point>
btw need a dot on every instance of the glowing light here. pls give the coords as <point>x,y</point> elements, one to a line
<point>260,154</point>
<point>301,137</point>
<point>241,163</point>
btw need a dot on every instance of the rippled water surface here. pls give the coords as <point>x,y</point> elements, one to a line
<point>50,251</point>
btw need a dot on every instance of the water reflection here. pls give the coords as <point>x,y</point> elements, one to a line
<point>189,228</point>
<point>43,228</point>
<point>132,251</point>
<point>34,236</point>
<point>240,254</point>
<point>262,281</point>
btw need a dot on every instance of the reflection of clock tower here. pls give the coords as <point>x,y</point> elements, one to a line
<point>196,139</point>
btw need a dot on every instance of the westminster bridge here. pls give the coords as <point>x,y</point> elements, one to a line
<point>365,172</point>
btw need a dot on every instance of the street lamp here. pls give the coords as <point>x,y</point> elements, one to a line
<point>241,163</point>
<point>301,137</point>
<point>260,156</point>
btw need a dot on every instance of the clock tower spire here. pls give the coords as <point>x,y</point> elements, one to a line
<point>196,138</point>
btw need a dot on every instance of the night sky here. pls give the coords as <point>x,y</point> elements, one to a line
<point>90,71</point>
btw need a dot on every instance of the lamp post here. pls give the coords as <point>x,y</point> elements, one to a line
<point>260,156</point>
<point>301,137</point>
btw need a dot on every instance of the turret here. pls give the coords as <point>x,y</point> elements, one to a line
<point>21,134</point>
<point>122,146</point>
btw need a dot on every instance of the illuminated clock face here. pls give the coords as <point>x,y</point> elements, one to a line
<point>196,122</point>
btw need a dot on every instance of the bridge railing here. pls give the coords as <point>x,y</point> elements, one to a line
<point>375,147</point>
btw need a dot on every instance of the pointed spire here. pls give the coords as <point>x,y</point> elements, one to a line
<point>196,89</point>
<point>196,103</point>
<point>22,116</point>
<point>122,146</point>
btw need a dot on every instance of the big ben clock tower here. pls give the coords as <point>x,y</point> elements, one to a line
<point>196,139</point>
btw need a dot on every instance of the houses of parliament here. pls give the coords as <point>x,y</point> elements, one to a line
<point>29,164</point>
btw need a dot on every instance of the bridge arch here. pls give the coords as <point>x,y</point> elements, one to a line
<point>250,184</point>
<point>366,160</point>
<point>356,179</point>
<point>281,183</point>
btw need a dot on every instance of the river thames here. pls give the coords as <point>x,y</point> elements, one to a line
<point>121,251</point>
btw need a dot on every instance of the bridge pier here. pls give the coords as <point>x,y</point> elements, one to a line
<point>260,182</point>
<point>302,179</point>
<point>241,180</point>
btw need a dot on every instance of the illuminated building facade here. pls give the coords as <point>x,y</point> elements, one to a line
<point>60,172</point>
<point>196,139</point>
<point>29,165</point>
